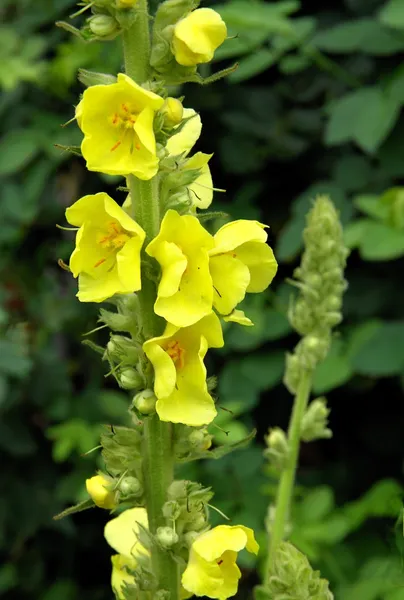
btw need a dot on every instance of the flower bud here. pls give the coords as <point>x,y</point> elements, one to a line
<point>171,510</point>
<point>172,111</point>
<point>97,487</point>
<point>166,536</point>
<point>278,448</point>
<point>130,379</point>
<point>315,421</point>
<point>178,490</point>
<point>190,537</point>
<point>145,402</point>
<point>131,486</point>
<point>122,350</point>
<point>197,36</point>
<point>116,321</point>
<point>103,25</point>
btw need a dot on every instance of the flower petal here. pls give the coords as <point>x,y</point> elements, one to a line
<point>121,532</point>
<point>120,575</point>
<point>144,129</point>
<point>252,545</point>
<point>88,208</point>
<point>116,212</point>
<point>212,544</point>
<point>202,578</point>
<point>189,404</point>
<point>230,279</point>
<point>261,262</point>
<point>98,290</point>
<point>235,233</point>
<point>186,138</point>
<point>173,264</point>
<point>238,316</point>
<point>165,374</point>
<point>201,189</point>
<point>140,95</point>
<point>128,265</point>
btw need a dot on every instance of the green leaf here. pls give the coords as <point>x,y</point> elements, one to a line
<point>334,371</point>
<point>351,115</point>
<point>363,35</point>
<point>392,14</point>
<point>382,354</point>
<point>18,149</point>
<point>372,206</point>
<point>316,504</point>
<point>381,242</point>
<point>242,14</point>
<point>253,64</point>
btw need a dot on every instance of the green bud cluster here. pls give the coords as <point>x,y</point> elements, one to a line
<point>186,507</point>
<point>315,421</point>
<point>190,442</point>
<point>108,19</point>
<point>321,283</point>
<point>277,451</point>
<point>293,578</point>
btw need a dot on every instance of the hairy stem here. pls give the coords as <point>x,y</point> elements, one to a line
<point>158,437</point>
<point>285,489</point>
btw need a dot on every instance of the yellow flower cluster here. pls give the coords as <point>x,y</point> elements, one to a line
<point>211,571</point>
<point>202,275</point>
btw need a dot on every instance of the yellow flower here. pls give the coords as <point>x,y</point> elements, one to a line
<point>212,569</point>
<point>197,36</point>
<point>180,374</point>
<point>201,190</point>
<point>121,534</point>
<point>240,262</point>
<point>97,487</point>
<point>185,292</point>
<point>117,122</point>
<point>107,254</point>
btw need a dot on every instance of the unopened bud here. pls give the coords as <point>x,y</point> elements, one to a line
<point>171,510</point>
<point>277,451</point>
<point>145,402</point>
<point>125,3</point>
<point>103,25</point>
<point>190,537</point>
<point>200,439</point>
<point>116,321</point>
<point>122,349</point>
<point>178,490</point>
<point>130,379</point>
<point>315,421</point>
<point>167,536</point>
<point>131,486</point>
<point>97,487</point>
<point>172,111</point>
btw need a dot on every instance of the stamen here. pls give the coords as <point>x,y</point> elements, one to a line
<point>137,146</point>
<point>219,562</point>
<point>115,146</point>
<point>100,262</point>
<point>115,119</point>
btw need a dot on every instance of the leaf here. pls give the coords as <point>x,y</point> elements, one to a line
<point>363,35</point>
<point>19,148</point>
<point>13,360</point>
<point>392,14</point>
<point>381,242</point>
<point>334,371</point>
<point>72,510</point>
<point>253,64</point>
<point>371,205</point>
<point>382,354</point>
<point>316,504</point>
<point>352,114</point>
<point>221,451</point>
<point>272,17</point>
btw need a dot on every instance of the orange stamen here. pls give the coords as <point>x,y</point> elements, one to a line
<point>115,146</point>
<point>115,119</point>
<point>125,108</point>
<point>137,146</point>
<point>97,264</point>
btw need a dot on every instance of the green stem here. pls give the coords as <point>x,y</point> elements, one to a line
<point>136,45</point>
<point>158,436</point>
<point>285,489</point>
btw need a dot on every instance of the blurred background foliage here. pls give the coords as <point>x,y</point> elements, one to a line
<point>314,107</point>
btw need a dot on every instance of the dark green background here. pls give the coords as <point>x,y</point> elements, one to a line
<point>315,107</point>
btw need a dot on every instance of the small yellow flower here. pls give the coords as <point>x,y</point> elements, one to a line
<point>185,292</point>
<point>197,36</point>
<point>212,569</point>
<point>97,487</point>
<point>201,190</point>
<point>121,534</point>
<point>117,122</point>
<point>240,262</point>
<point>107,255</point>
<point>180,374</point>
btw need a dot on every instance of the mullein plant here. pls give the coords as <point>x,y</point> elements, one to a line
<point>171,284</point>
<point>313,314</point>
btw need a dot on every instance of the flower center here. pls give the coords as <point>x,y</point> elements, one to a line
<point>124,119</point>
<point>176,353</point>
<point>114,238</point>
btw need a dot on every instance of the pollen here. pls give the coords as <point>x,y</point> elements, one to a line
<point>114,238</point>
<point>176,353</point>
